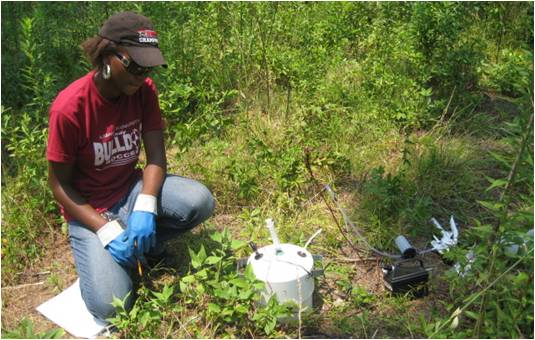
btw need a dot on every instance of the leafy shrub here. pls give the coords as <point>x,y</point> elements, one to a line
<point>28,201</point>
<point>501,301</point>
<point>513,75</point>
<point>224,300</point>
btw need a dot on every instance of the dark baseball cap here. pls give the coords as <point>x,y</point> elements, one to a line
<point>135,33</point>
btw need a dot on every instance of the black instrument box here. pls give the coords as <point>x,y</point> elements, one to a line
<point>408,276</point>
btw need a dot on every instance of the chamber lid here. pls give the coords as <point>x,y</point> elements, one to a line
<point>290,263</point>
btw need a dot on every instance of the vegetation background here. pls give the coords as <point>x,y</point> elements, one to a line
<point>408,110</point>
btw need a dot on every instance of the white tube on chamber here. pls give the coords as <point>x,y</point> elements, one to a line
<point>311,238</point>
<point>271,226</point>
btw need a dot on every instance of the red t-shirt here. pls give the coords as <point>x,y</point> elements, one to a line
<point>101,138</point>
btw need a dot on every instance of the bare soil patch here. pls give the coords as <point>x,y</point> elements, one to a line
<point>52,273</point>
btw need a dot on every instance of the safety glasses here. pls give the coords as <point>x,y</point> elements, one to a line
<point>132,67</point>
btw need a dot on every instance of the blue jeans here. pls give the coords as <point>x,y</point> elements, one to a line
<point>182,204</point>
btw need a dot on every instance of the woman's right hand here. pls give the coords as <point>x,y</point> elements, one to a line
<point>121,251</point>
<point>115,240</point>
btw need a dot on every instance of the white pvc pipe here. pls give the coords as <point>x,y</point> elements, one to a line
<point>271,226</point>
<point>311,238</point>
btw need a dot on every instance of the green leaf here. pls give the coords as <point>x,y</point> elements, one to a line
<point>188,279</point>
<point>270,326</point>
<point>246,294</point>
<point>221,293</point>
<point>200,289</point>
<point>117,303</point>
<point>257,316</point>
<point>202,274</point>
<point>237,244</point>
<point>192,254</point>
<point>54,334</point>
<point>144,319</point>
<point>213,308</point>
<point>25,331</point>
<point>195,263</point>
<point>165,295</point>
<point>201,255</point>
<point>227,311</point>
<point>472,315</point>
<point>217,237</point>
<point>249,273</point>
<point>500,183</point>
<point>521,279</point>
<point>233,291</point>
<point>226,235</point>
<point>213,260</point>
<point>240,282</point>
<point>241,309</point>
<point>492,206</point>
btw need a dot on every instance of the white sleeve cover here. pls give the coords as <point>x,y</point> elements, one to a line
<point>146,203</point>
<point>109,231</point>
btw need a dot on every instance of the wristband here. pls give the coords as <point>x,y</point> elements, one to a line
<point>146,203</point>
<point>109,231</point>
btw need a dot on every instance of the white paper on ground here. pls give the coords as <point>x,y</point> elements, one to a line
<point>68,310</point>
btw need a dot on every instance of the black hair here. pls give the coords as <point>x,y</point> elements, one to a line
<point>96,48</point>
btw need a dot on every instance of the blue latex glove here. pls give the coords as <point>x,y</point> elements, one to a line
<point>141,231</point>
<point>121,251</point>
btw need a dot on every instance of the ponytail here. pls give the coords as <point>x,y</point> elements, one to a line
<point>96,48</point>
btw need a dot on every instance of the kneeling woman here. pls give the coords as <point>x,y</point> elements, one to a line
<point>117,213</point>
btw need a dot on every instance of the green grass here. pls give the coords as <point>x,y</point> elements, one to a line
<point>27,227</point>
